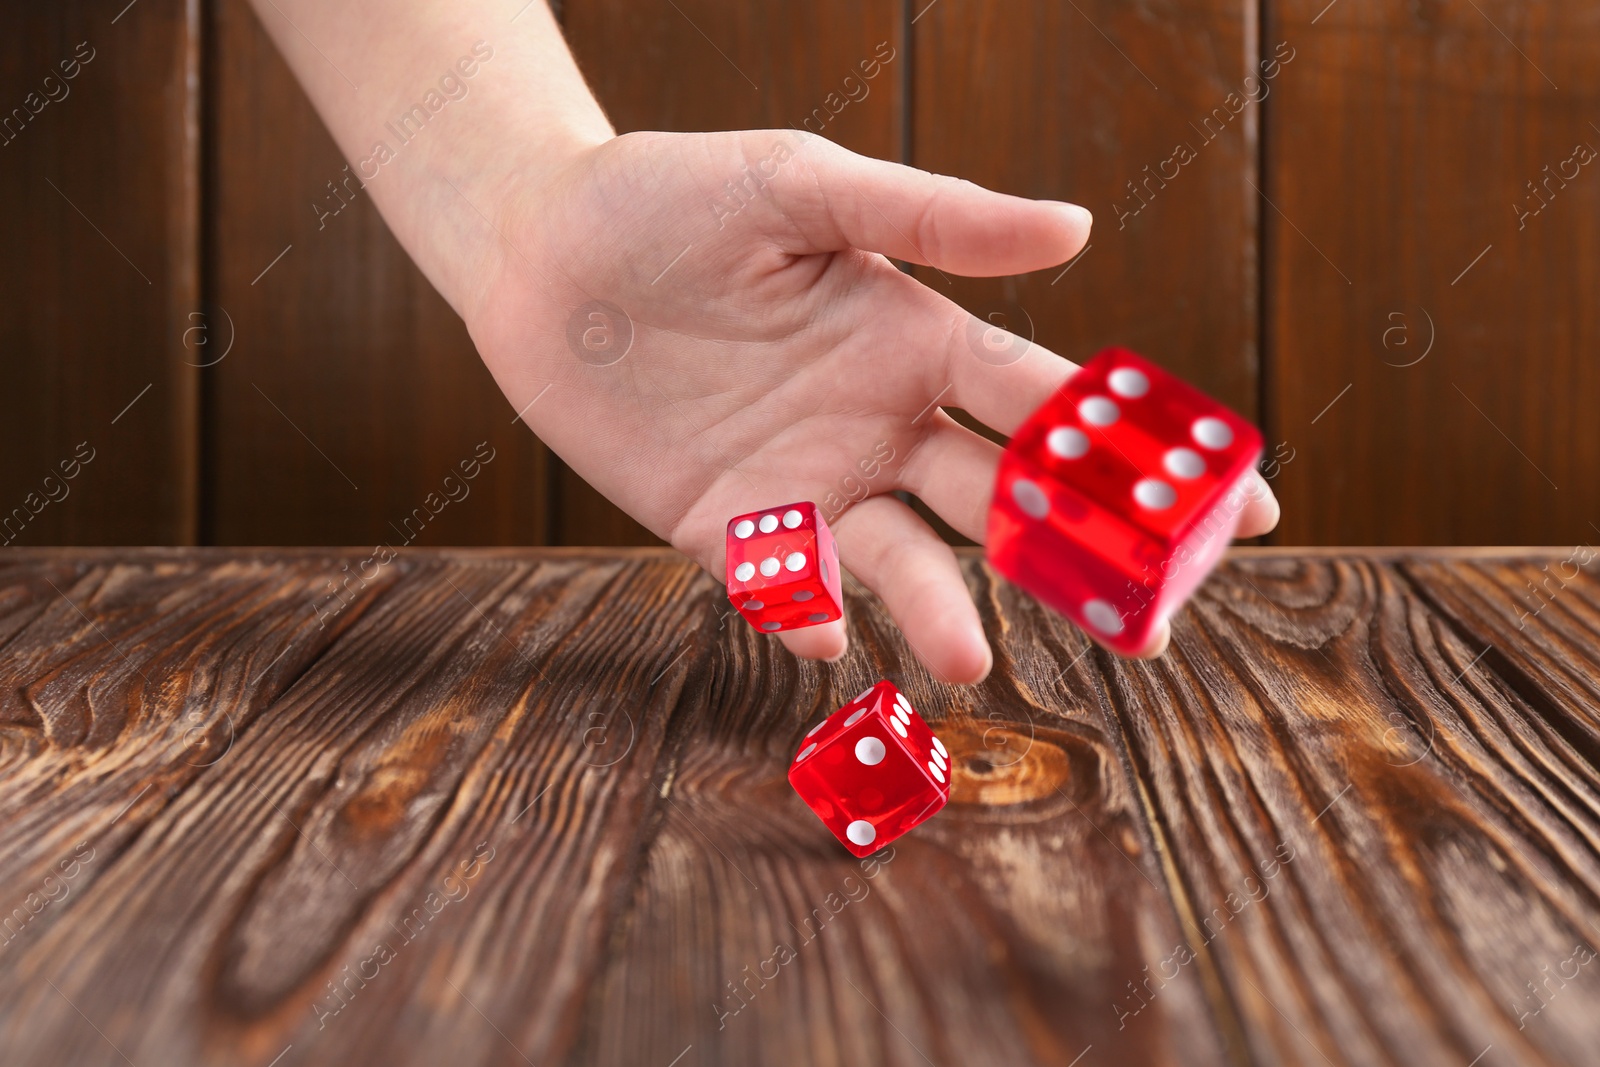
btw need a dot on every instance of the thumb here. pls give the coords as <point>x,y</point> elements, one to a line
<point>837,199</point>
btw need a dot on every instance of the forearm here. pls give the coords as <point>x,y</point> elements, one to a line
<point>443,108</point>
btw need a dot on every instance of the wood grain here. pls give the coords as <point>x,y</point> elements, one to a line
<point>1074,102</point>
<point>1398,147</point>
<point>352,391</point>
<point>500,806</point>
<point>991,936</point>
<point>718,65</point>
<point>1090,103</point>
<point>100,175</point>
<point>1381,745</point>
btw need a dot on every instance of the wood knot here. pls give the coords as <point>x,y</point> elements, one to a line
<point>1001,764</point>
<point>383,803</point>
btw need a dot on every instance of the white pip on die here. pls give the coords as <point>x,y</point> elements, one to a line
<point>872,770</point>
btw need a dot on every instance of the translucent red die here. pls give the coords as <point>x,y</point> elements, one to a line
<point>872,770</point>
<point>783,568</point>
<point>1118,495</point>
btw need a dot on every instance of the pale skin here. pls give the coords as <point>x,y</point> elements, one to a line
<point>774,346</point>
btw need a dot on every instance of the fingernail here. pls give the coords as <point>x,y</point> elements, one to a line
<point>1078,214</point>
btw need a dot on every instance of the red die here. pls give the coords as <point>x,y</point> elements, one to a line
<point>783,568</point>
<point>1118,495</point>
<point>872,770</point>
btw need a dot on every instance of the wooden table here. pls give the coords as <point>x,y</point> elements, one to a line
<point>496,807</point>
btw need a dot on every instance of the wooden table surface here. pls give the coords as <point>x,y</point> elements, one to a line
<point>529,806</point>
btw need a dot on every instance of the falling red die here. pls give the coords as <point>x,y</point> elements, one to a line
<point>783,568</point>
<point>872,770</point>
<point>1118,496</point>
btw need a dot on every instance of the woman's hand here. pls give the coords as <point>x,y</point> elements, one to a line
<point>706,324</point>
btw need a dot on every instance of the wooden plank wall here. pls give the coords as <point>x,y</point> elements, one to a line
<point>1086,102</point>
<point>1322,213</point>
<point>352,390</point>
<point>99,216</point>
<point>1399,150</point>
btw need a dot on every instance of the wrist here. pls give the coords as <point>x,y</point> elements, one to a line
<point>454,159</point>
<point>482,200</point>
<point>457,114</point>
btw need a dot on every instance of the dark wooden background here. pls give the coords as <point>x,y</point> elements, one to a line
<point>1343,263</point>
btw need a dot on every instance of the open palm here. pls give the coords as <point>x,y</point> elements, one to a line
<point>706,324</point>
